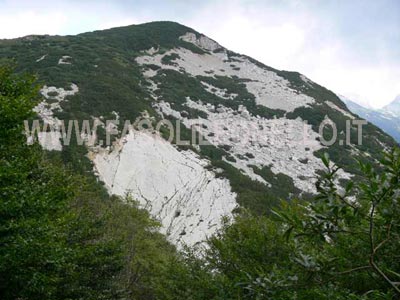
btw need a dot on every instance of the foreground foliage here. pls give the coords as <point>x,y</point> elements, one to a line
<point>344,244</point>
<point>61,236</point>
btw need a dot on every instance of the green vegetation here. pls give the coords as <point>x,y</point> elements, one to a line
<point>343,155</point>
<point>61,235</point>
<point>109,79</point>
<point>169,59</point>
<point>280,183</point>
<point>331,247</point>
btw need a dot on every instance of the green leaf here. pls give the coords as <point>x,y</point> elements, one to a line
<point>325,159</point>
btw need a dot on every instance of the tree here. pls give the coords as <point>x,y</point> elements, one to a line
<point>48,249</point>
<point>61,235</point>
<point>344,244</point>
<point>355,231</point>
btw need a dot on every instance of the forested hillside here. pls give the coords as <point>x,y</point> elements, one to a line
<point>61,235</point>
<point>254,214</point>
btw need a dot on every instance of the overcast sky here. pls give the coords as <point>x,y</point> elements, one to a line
<point>351,47</point>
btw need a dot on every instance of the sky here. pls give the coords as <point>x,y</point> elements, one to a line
<point>351,47</point>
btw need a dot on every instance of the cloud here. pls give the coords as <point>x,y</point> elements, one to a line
<point>29,22</point>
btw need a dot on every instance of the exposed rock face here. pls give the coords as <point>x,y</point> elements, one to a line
<point>65,60</point>
<point>269,89</point>
<point>334,106</point>
<point>202,42</point>
<point>51,140</point>
<point>282,144</point>
<point>173,185</point>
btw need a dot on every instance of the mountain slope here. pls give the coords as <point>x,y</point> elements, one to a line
<point>393,107</point>
<point>387,118</point>
<point>252,116</point>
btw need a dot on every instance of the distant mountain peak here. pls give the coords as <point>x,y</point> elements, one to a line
<point>357,99</point>
<point>386,118</point>
<point>393,107</point>
<point>397,99</point>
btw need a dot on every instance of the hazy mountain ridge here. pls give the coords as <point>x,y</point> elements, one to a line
<point>170,71</point>
<point>393,107</point>
<point>387,118</point>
